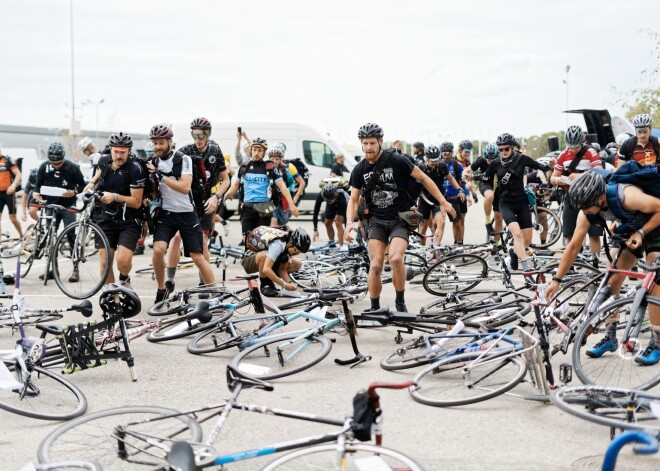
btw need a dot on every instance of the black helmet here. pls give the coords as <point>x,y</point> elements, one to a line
<point>120,139</point>
<point>574,136</point>
<point>491,152</point>
<point>300,239</point>
<point>433,153</point>
<point>465,144</point>
<point>370,130</point>
<point>56,152</point>
<point>446,147</point>
<point>161,131</point>
<point>116,297</point>
<point>419,145</point>
<point>200,123</point>
<point>506,139</point>
<point>329,192</point>
<point>586,190</point>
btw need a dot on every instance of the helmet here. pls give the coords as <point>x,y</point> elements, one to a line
<point>149,149</point>
<point>329,192</point>
<point>465,144</point>
<point>574,136</point>
<point>433,153</point>
<point>277,149</point>
<point>120,139</point>
<point>491,151</point>
<point>56,152</point>
<point>370,130</point>
<point>596,146</point>
<point>611,147</point>
<point>446,147</point>
<point>621,138</point>
<point>161,131</point>
<point>260,142</point>
<point>506,139</point>
<point>642,120</point>
<point>585,190</point>
<point>419,145</point>
<point>84,143</point>
<point>120,300</point>
<point>200,123</point>
<point>300,239</point>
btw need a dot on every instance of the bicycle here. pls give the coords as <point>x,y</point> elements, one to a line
<point>148,436</point>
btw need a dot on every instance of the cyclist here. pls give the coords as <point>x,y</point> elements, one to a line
<point>291,176</point>
<point>429,207</point>
<point>418,153</point>
<point>209,161</point>
<point>385,198</point>
<point>486,188</point>
<point>573,162</point>
<point>587,194</point>
<point>174,173</point>
<point>642,148</point>
<point>86,146</point>
<point>10,180</point>
<point>254,184</point>
<point>28,197</point>
<point>338,168</point>
<point>275,261</point>
<point>121,178</point>
<point>457,197</point>
<point>514,205</point>
<point>58,182</point>
<point>336,202</point>
<point>464,158</point>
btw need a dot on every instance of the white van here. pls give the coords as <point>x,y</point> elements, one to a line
<point>316,149</point>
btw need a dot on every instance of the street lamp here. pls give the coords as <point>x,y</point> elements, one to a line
<point>97,104</point>
<point>568,68</point>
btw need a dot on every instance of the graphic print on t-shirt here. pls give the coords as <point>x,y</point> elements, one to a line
<point>383,197</point>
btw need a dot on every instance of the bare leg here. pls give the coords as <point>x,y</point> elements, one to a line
<point>329,228</point>
<point>124,260</point>
<point>377,257</point>
<point>339,222</point>
<point>204,268</point>
<point>17,224</point>
<point>111,274</point>
<point>396,252</point>
<point>158,261</point>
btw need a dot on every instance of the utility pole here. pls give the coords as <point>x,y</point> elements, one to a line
<point>568,68</point>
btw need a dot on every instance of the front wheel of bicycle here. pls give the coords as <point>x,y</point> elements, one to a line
<point>467,379</point>
<point>45,396</point>
<point>180,327</point>
<point>94,437</point>
<point>281,356</point>
<point>547,230</point>
<point>616,366</point>
<point>355,455</point>
<point>221,336</point>
<point>91,265</point>
<point>459,272</point>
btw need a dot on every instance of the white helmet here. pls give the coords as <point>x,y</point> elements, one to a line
<point>621,138</point>
<point>277,149</point>
<point>149,148</point>
<point>84,143</point>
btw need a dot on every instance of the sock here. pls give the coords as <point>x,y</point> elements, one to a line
<point>525,265</point>
<point>488,218</point>
<point>265,281</point>
<point>400,297</point>
<point>375,303</point>
<point>123,277</point>
<point>611,330</point>
<point>170,273</point>
<point>655,330</point>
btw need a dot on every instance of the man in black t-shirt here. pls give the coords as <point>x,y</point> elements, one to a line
<point>486,188</point>
<point>119,213</point>
<point>338,168</point>
<point>384,200</point>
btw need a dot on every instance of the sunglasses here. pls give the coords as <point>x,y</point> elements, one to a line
<point>504,148</point>
<point>446,153</point>
<point>198,137</point>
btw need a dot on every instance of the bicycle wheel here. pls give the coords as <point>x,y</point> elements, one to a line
<point>316,274</point>
<point>277,357</point>
<point>461,380</point>
<point>181,327</point>
<point>46,396</point>
<point>31,318</point>
<point>547,229</point>
<point>87,264</point>
<point>568,305</point>
<point>355,454</point>
<point>613,407</point>
<point>617,368</point>
<point>94,437</point>
<point>220,337</point>
<point>459,272</point>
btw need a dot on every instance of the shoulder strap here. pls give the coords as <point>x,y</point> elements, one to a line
<point>655,143</point>
<point>455,164</point>
<point>375,176</point>
<point>578,157</point>
<point>628,147</point>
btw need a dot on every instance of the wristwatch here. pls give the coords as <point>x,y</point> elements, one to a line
<point>641,232</point>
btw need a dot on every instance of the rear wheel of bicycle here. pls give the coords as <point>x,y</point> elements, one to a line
<point>459,272</point>
<point>463,379</point>
<point>31,318</point>
<point>94,437</point>
<point>45,396</point>
<point>355,457</point>
<point>87,262</point>
<point>181,301</point>
<point>613,407</point>
<point>263,359</point>
<point>617,368</point>
<point>547,229</point>
<point>181,327</point>
<point>220,337</point>
<point>317,274</point>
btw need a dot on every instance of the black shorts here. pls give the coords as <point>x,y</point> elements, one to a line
<point>569,221</point>
<point>516,211</point>
<point>427,209</point>
<point>459,206</point>
<point>9,201</point>
<point>332,211</point>
<point>250,219</point>
<point>650,244</point>
<point>124,233</point>
<point>187,224</point>
<point>207,222</point>
<point>496,203</point>
<point>387,229</point>
<point>484,187</point>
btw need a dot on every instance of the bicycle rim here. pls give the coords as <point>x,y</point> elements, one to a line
<point>455,273</point>
<point>550,234</point>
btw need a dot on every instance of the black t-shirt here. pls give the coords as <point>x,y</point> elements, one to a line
<point>68,176</point>
<point>510,177</point>
<point>214,163</point>
<point>389,195</point>
<point>129,176</point>
<point>438,175</point>
<point>338,169</point>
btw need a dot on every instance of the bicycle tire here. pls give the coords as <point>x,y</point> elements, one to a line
<point>619,408</point>
<point>443,277</point>
<point>91,280</point>
<point>90,436</point>
<point>181,327</point>
<point>220,338</point>
<point>490,315</point>
<point>443,384</point>
<point>27,264</point>
<point>614,369</point>
<point>47,390</point>
<point>180,302</point>
<point>26,319</point>
<point>318,274</point>
<point>325,457</point>
<point>554,229</point>
<point>269,365</point>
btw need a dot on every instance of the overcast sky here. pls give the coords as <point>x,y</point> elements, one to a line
<point>426,70</point>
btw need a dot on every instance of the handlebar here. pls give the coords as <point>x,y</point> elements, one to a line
<point>378,385</point>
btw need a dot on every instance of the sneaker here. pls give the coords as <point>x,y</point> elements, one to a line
<point>490,229</point>
<point>75,277</point>
<point>161,295</point>
<point>126,283</point>
<point>475,197</point>
<point>139,250</point>
<point>650,356</point>
<point>514,260</point>
<point>401,307</point>
<point>602,347</point>
<point>269,292</point>
<point>50,276</point>
<point>169,287</point>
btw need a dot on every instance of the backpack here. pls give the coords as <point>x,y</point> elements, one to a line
<point>628,147</point>
<point>413,187</point>
<point>198,177</point>
<point>303,171</point>
<point>258,239</point>
<point>242,170</point>
<point>339,182</point>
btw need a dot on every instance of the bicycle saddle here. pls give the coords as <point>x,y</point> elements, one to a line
<point>246,277</point>
<point>117,299</point>
<point>235,376</point>
<point>51,329</point>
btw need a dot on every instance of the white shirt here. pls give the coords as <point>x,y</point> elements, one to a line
<point>173,200</point>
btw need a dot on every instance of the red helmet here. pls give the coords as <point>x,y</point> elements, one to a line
<point>161,131</point>
<point>200,123</point>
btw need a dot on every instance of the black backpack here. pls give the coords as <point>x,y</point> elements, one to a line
<point>303,171</point>
<point>198,176</point>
